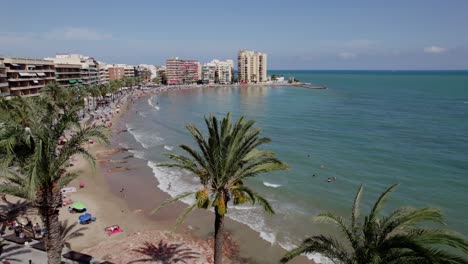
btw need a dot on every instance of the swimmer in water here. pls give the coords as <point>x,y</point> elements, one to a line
<point>328,180</point>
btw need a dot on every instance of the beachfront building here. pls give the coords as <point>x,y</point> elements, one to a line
<point>129,70</point>
<point>88,70</point>
<point>4,89</point>
<point>151,68</point>
<point>224,71</point>
<point>209,73</point>
<point>103,72</point>
<point>252,66</point>
<point>182,71</point>
<point>144,73</point>
<point>115,73</point>
<point>68,75</point>
<point>26,77</point>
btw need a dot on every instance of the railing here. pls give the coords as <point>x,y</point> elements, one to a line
<point>27,87</point>
<point>45,70</point>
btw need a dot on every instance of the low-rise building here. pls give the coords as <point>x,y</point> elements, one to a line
<point>26,77</point>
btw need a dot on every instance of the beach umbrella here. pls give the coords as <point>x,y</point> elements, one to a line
<point>78,206</point>
<point>85,217</point>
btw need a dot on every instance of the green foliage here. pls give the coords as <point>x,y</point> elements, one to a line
<point>31,159</point>
<point>225,157</point>
<point>396,239</point>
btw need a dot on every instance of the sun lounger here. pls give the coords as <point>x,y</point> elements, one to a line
<point>78,257</point>
<point>17,240</point>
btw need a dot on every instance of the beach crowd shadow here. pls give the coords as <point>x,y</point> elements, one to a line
<point>165,253</point>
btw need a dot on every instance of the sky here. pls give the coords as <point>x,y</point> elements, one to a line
<point>296,35</point>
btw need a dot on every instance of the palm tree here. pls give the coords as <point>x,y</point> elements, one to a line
<point>394,239</point>
<point>225,158</point>
<point>34,163</point>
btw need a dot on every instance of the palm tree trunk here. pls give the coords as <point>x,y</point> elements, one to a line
<point>53,243</point>
<point>218,237</point>
<point>49,201</point>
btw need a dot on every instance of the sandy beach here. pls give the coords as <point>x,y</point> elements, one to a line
<point>122,190</point>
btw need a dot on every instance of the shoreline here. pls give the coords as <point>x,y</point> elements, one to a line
<point>142,196</point>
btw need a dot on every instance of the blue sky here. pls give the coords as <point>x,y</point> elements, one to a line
<point>307,34</point>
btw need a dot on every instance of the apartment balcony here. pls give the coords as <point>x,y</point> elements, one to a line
<point>5,84</point>
<point>3,75</point>
<point>69,78</point>
<point>27,87</point>
<point>44,70</point>
<point>65,73</point>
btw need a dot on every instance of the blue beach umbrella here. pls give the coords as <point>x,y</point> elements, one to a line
<point>85,217</point>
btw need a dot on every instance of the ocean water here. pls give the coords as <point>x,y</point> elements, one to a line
<point>375,128</point>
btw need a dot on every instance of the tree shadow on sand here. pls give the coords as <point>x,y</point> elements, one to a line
<point>166,253</point>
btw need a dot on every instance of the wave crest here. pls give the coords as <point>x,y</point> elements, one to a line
<point>272,185</point>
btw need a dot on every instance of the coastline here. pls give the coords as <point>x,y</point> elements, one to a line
<point>132,209</point>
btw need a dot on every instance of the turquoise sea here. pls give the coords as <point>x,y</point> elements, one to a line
<point>375,128</point>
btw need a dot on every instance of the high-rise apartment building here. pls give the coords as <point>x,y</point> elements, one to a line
<point>182,71</point>
<point>252,66</point>
<point>26,77</point>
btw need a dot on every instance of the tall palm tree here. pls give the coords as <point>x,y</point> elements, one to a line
<point>225,158</point>
<point>34,163</point>
<point>394,239</point>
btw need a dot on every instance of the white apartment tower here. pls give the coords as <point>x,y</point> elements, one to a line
<point>252,66</point>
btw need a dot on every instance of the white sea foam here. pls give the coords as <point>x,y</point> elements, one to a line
<point>146,139</point>
<point>166,147</point>
<point>316,257</point>
<point>150,102</point>
<point>175,182</point>
<point>271,184</point>
<point>142,114</point>
<point>137,153</point>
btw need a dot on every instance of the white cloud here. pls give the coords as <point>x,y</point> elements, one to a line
<point>77,33</point>
<point>347,55</point>
<point>434,50</point>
